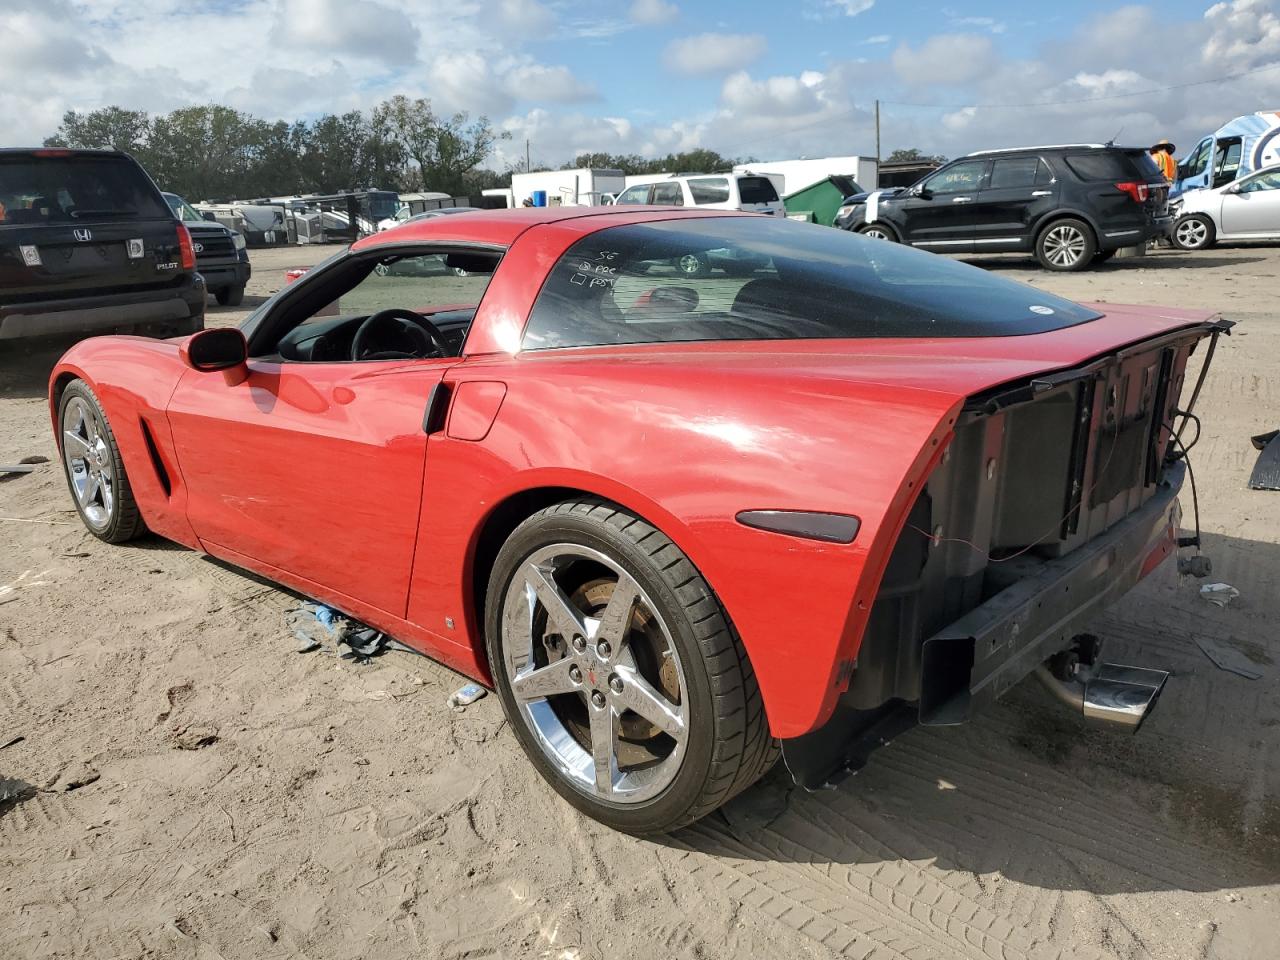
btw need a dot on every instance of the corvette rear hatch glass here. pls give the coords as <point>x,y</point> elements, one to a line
<point>751,278</point>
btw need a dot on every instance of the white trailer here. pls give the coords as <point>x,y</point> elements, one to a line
<point>582,187</point>
<point>790,176</point>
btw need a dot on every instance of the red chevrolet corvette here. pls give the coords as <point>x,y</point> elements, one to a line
<point>819,489</point>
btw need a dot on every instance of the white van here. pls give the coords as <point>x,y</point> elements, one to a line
<point>712,191</point>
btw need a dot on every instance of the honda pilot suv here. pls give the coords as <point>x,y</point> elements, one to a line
<point>1071,206</point>
<point>88,244</point>
<point>221,254</point>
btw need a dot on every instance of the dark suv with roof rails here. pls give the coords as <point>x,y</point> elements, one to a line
<point>89,245</point>
<point>1072,205</point>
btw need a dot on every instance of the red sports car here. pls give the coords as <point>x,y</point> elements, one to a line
<point>829,488</point>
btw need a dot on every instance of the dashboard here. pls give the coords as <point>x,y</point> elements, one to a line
<point>328,339</point>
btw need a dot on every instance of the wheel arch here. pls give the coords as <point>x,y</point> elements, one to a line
<point>517,506</point>
<point>1061,213</point>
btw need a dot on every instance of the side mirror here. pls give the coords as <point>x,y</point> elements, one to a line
<point>223,348</point>
<point>923,192</point>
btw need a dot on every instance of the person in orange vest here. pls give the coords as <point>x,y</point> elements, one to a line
<point>1162,154</point>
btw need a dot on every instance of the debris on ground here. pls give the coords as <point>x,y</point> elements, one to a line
<point>21,468</point>
<point>462,698</point>
<point>1228,658</point>
<point>1219,594</point>
<point>11,742</point>
<point>195,736</point>
<point>8,591</point>
<point>1266,472</point>
<point>77,775</point>
<point>314,623</point>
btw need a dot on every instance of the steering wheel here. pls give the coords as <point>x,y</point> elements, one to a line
<point>404,329</point>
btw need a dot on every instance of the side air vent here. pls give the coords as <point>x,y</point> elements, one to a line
<point>161,473</point>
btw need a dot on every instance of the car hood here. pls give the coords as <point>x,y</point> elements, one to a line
<point>207,228</point>
<point>862,197</point>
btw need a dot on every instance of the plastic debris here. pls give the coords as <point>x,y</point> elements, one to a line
<point>1266,472</point>
<point>1219,594</point>
<point>314,623</point>
<point>1228,658</point>
<point>462,698</point>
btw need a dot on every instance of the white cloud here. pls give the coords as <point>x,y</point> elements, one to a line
<point>357,28</point>
<point>949,58</point>
<point>851,8</point>
<point>652,12</point>
<point>1244,30</point>
<point>537,81</point>
<point>527,17</point>
<point>711,53</point>
<point>773,97</point>
<point>878,39</point>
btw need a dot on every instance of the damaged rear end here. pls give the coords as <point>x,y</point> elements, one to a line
<point>1056,494</point>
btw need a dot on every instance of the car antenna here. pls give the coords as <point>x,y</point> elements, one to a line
<point>1112,141</point>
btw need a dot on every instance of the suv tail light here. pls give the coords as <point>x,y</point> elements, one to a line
<point>1138,192</point>
<point>187,251</point>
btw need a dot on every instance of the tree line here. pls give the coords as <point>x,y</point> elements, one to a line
<point>214,152</point>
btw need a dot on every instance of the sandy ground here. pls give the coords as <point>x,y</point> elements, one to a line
<point>188,786</point>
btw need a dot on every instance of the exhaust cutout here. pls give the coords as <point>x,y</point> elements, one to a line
<point>1110,693</point>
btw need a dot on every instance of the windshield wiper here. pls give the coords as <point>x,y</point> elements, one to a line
<point>103,213</point>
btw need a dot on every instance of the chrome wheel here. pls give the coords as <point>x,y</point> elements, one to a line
<point>595,674</point>
<point>877,233</point>
<point>88,461</point>
<point>1192,233</point>
<point>1064,245</point>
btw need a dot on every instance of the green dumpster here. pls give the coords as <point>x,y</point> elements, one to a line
<point>819,201</point>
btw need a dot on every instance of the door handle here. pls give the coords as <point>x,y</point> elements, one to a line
<point>961,199</point>
<point>1042,193</point>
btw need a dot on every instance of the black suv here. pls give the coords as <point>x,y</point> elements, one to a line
<point>221,256</point>
<point>1071,205</point>
<point>88,244</point>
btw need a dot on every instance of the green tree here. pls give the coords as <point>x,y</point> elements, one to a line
<point>443,149</point>
<point>912,154</point>
<point>110,128</point>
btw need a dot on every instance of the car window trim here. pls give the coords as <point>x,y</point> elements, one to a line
<point>258,326</point>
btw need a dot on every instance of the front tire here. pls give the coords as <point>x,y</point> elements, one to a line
<point>1066,245</point>
<point>1195,231</point>
<point>880,231</point>
<point>94,468</point>
<point>620,672</point>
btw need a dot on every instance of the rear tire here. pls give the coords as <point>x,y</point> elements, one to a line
<point>880,231</point>
<point>93,467</point>
<point>230,296</point>
<point>720,745</point>
<point>1195,231</point>
<point>1066,245</point>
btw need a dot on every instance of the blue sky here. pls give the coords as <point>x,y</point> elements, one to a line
<point>651,76</point>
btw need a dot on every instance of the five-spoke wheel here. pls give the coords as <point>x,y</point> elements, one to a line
<point>95,472</point>
<point>620,672</point>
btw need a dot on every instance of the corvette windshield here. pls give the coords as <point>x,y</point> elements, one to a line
<point>757,278</point>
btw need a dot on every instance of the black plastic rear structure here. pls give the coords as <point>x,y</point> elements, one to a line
<point>1044,507</point>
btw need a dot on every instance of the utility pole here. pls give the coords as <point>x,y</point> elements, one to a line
<point>877,133</point>
<point>528,167</point>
